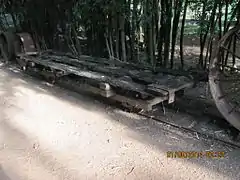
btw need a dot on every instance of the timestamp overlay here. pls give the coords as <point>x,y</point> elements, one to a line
<point>196,154</point>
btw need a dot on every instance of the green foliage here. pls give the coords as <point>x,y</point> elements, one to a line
<point>191,29</point>
<point>100,19</point>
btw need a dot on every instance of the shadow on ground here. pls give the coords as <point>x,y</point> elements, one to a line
<point>146,131</point>
<point>3,175</point>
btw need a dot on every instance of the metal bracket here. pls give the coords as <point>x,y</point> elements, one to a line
<point>171,96</point>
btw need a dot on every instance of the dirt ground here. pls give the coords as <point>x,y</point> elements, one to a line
<point>53,134</point>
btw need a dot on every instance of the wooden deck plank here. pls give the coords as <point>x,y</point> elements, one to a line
<point>157,91</point>
<point>116,82</point>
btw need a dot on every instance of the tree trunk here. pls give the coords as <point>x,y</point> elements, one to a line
<point>167,32</point>
<point>150,26</point>
<point>161,34</point>
<point>211,26</point>
<point>177,13</point>
<point>182,32</point>
<point>123,41</point>
<point>225,18</point>
<point>133,29</point>
<point>202,42</point>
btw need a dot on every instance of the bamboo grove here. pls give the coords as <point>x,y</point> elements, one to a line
<point>146,31</point>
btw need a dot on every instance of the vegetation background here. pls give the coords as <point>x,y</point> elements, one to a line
<point>152,32</point>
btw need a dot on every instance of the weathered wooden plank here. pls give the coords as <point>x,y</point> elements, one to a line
<point>154,89</point>
<point>99,60</point>
<point>145,77</point>
<point>116,82</point>
<point>168,85</point>
<point>198,75</point>
<point>123,80</point>
<point>110,70</point>
<point>173,82</point>
<point>126,101</point>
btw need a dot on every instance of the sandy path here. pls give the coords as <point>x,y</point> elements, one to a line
<point>52,134</point>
